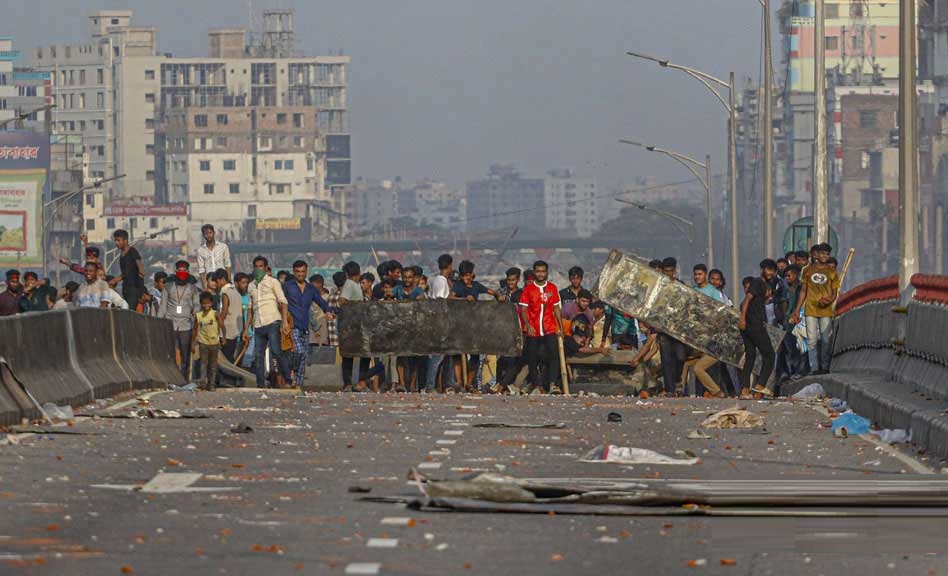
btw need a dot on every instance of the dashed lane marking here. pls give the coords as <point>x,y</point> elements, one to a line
<point>363,568</point>
<point>396,521</point>
<point>382,543</point>
<point>446,442</point>
<point>453,432</point>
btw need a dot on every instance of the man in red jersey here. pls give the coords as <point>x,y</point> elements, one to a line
<point>540,313</point>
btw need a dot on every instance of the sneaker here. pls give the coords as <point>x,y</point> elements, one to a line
<point>555,390</point>
<point>450,390</point>
<point>763,390</point>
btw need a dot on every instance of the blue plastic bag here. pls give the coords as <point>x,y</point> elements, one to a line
<point>850,424</point>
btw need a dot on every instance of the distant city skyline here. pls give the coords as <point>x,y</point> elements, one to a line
<point>444,89</point>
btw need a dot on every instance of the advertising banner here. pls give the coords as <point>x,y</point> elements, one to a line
<point>24,163</point>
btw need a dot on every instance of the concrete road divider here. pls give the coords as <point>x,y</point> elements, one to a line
<point>75,356</point>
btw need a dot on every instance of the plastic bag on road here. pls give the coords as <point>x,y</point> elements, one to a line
<point>629,455</point>
<point>837,405</point>
<point>58,412</point>
<point>850,424</point>
<point>733,418</point>
<point>810,392</point>
<point>897,436</point>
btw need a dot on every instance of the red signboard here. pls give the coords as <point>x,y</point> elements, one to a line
<point>145,210</point>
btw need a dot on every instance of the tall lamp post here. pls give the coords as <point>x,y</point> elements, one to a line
<point>692,165</point>
<point>674,218</point>
<point>908,146</point>
<point>26,115</point>
<point>730,106</point>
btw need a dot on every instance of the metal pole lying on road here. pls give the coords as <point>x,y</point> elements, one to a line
<point>820,196</point>
<point>908,146</point>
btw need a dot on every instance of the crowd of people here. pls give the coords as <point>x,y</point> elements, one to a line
<point>267,322</point>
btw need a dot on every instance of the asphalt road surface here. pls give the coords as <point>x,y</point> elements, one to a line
<point>188,496</point>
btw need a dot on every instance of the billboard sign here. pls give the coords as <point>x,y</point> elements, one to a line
<point>24,164</point>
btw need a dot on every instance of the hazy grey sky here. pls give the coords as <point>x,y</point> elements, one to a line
<point>443,88</point>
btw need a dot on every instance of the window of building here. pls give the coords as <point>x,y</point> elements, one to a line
<point>230,165</point>
<point>116,52</point>
<point>251,211</point>
<point>222,119</point>
<point>90,224</point>
<point>200,120</point>
<point>100,100</point>
<point>149,123</point>
<point>278,164</point>
<point>234,188</point>
<point>149,74</point>
<point>221,141</point>
<point>150,98</point>
<point>150,149</point>
<point>100,150</point>
<point>82,125</point>
<point>868,119</point>
<point>264,142</point>
<point>298,120</point>
<point>150,175</point>
<point>115,21</point>
<point>100,124</point>
<point>310,164</point>
<point>152,222</point>
<point>82,100</point>
<point>205,165</point>
<point>281,118</point>
<point>831,11</point>
<point>298,141</point>
<point>831,43</point>
<point>110,223</point>
<point>287,164</point>
<point>82,77</point>
<point>208,188</point>
<point>100,76</point>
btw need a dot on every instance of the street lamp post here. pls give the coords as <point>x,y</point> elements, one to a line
<point>730,106</point>
<point>674,218</point>
<point>26,115</point>
<point>908,146</point>
<point>55,203</point>
<point>692,165</point>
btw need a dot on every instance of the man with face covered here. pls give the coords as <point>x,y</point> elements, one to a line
<point>36,297</point>
<point>10,298</point>
<point>179,303</point>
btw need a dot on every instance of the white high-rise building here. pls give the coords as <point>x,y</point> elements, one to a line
<point>571,203</point>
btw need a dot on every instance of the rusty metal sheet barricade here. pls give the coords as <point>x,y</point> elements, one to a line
<point>676,309</point>
<point>426,327</point>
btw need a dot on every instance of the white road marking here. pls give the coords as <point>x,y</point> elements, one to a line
<point>167,483</point>
<point>364,568</point>
<point>429,465</point>
<point>444,452</point>
<point>382,543</point>
<point>469,407</point>
<point>453,432</point>
<point>464,415</point>
<point>396,521</point>
<point>446,442</point>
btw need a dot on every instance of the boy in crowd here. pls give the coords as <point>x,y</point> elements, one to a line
<point>409,289</point>
<point>572,291</point>
<point>466,288</point>
<point>208,336</point>
<point>36,297</point>
<point>753,325</point>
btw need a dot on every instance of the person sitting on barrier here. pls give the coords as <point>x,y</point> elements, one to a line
<point>10,298</point>
<point>35,297</point>
<point>67,298</point>
<point>179,303</point>
<point>579,306</point>
<point>95,293</point>
<point>208,337</point>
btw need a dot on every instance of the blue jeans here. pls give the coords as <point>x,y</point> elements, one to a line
<point>819,337</point>
<point>268,337</point>
<point>434,361</point>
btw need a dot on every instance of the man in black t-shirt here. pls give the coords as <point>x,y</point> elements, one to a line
<point>133,271</point>
<point>753,325</point>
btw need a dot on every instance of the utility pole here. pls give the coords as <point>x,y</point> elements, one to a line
<point>768,131</point>
<point>908,146</point>
<point>736,288</point>
<point>820,197</point>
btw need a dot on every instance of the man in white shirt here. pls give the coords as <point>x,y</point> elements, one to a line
<point>440,288</point>
<point>212,255</point>
<point>269,315</point>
